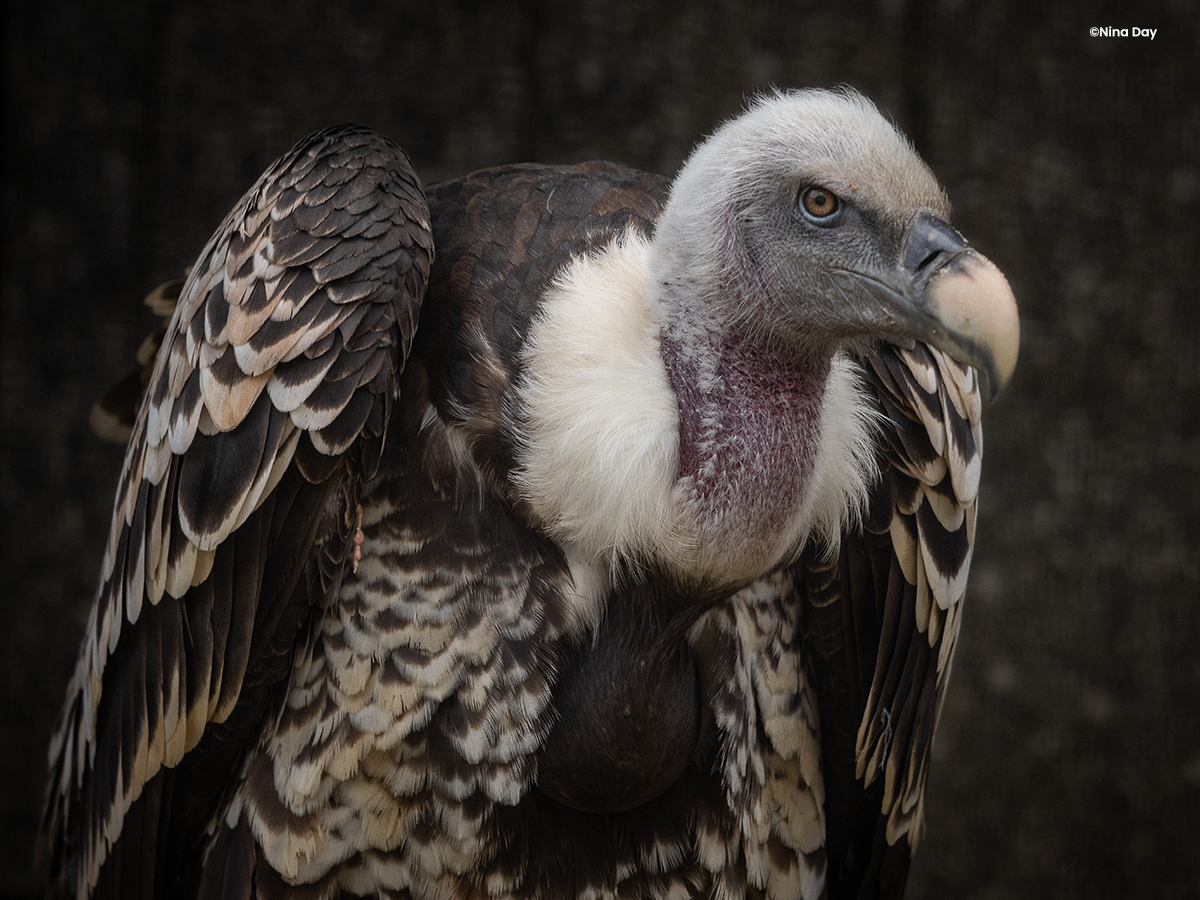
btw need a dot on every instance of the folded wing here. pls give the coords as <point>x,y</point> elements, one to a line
<point>264,413</point>
<point>884,614</point>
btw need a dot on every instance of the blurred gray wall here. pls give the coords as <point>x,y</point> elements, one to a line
<point>1068,761</point>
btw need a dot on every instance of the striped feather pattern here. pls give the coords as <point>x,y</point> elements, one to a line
<point>884,615</point>
<point>282,351</point>
<point>766,713</point>
<point>424,696</point>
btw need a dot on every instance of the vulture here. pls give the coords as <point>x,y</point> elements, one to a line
<point>549,532</point>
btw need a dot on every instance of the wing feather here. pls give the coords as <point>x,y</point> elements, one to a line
<point>281,357</point>
<point>883,617</point>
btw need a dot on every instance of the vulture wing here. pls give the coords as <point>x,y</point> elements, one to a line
<point>883,616</point>
<point>264,413</point>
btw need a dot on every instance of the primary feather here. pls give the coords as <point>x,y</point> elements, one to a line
<point>548,532</point>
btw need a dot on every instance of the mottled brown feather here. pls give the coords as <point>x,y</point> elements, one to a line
<point>195,668</point>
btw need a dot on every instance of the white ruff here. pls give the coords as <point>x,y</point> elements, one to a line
<point>602,448</point>
<point>600,461</point>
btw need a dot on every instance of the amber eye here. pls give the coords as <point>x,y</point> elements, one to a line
<point>819,204</point>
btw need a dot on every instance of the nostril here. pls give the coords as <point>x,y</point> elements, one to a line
<point>930,241</point>
<point>927,261</point>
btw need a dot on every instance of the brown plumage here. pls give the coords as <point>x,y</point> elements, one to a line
<point>662,535</point>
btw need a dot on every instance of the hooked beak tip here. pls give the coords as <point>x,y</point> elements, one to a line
<point>972,300</point>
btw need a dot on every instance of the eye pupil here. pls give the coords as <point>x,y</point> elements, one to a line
<point>819,203</point>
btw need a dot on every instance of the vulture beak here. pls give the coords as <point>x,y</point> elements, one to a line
<point>947,294</point>
<point>959,301</point>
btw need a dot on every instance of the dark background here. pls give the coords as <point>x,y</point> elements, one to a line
<point>1068,761</point>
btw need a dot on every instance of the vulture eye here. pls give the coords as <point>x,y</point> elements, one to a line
<point>819,205</point>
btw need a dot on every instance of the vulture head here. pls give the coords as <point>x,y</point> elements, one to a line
<point>798,229</point>
<point>810,221</point>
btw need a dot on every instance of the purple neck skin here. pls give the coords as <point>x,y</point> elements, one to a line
<point>749,422</point>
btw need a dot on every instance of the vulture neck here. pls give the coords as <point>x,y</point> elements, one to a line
<point>655,436</point>
<point>750,430</point>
